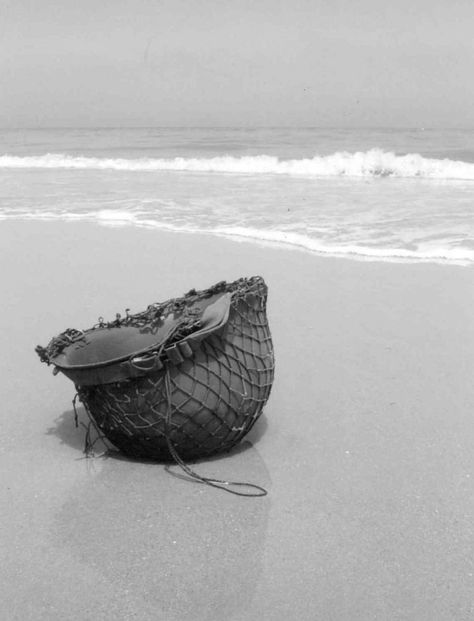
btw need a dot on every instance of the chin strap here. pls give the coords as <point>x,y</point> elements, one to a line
<point>226,486</point>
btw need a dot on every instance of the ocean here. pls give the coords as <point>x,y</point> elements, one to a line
<point>380,194</point>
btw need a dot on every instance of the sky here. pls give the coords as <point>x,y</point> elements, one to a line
<point>319,63</point>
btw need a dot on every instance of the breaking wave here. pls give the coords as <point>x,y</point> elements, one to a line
<point>372,163</point>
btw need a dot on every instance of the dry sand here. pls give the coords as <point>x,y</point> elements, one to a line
<point>366,445</point>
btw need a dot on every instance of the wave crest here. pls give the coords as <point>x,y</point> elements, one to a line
<point>372,163</point>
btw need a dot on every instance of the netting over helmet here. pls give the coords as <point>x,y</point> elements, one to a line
<point>200,397</point>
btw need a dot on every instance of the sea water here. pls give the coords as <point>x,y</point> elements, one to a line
<point>381,194</point>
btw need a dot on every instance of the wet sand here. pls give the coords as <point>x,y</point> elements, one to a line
<point>366,445</point>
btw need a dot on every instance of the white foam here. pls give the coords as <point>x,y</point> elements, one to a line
<point>459,256</point>
<point>372,163</point>
<point>111,218</point>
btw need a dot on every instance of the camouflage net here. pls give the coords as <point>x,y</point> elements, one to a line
<point>197,400</point>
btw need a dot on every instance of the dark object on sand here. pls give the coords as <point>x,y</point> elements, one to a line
<point>186,378</point>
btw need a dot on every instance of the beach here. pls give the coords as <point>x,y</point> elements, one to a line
<point>366,445</point>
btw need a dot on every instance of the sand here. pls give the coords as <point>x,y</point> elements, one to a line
<point>366,445</point>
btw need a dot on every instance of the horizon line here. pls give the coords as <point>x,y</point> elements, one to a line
<point>236,127</point>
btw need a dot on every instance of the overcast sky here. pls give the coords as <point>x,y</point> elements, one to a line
<point>319,63</point>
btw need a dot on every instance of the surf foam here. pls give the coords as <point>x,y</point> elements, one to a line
<point>115,218</point>
<point>372,163</point>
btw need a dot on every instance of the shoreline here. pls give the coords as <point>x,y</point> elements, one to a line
<point>264,239</point>
<point>365,444</point>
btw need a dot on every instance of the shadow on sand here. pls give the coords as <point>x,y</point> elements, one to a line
<point>169,548</point>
